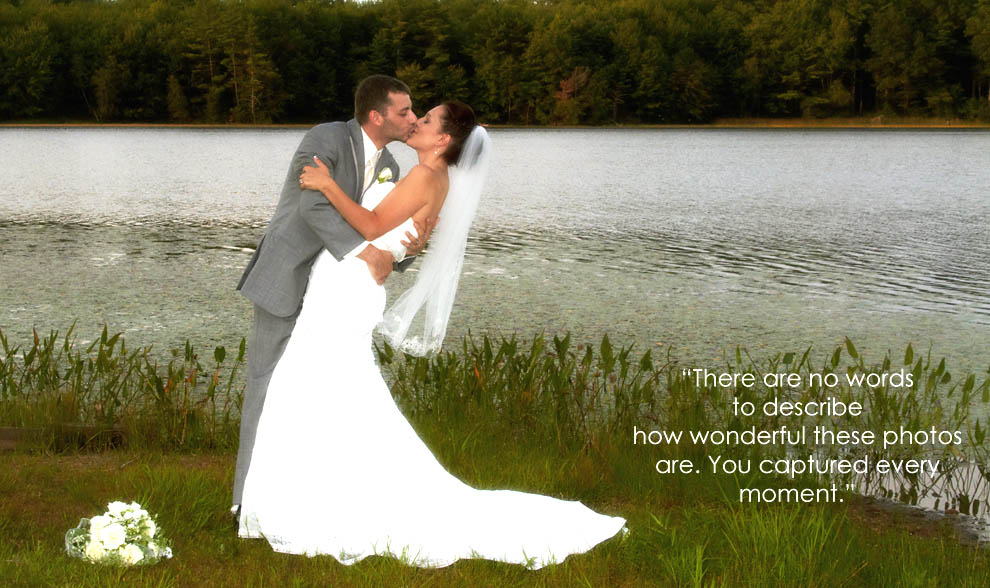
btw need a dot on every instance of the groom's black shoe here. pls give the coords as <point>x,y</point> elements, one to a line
<point>235,513</point>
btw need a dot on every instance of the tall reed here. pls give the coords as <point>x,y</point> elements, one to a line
<point>58,389</point>
<point>588,398</point>
<point>542,391</point>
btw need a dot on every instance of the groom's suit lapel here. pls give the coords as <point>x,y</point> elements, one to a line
<point>357,150</point>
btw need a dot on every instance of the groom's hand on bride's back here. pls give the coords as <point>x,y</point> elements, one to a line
<point>379,262</point>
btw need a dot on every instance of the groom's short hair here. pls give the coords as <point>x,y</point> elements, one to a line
<point>373,94</point>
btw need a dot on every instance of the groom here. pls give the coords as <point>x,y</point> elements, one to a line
<point>305,223</point>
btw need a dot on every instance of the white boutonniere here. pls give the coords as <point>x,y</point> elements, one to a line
<point>385,175</point>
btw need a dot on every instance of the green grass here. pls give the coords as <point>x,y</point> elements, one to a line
<point>681,533</point>
<point>538,415</point>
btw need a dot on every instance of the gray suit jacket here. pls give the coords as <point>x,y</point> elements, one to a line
<point>305,222</point>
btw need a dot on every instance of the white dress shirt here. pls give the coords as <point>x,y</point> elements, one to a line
<point>370,163</point>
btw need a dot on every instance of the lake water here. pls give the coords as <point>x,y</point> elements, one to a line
<point>692,240</point>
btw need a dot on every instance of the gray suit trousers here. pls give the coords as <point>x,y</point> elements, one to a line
<point>268,340</point>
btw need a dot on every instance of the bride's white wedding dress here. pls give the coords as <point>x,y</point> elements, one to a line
<point>336,468</point>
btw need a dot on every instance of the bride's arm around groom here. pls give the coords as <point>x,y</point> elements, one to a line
<point>305,222</point>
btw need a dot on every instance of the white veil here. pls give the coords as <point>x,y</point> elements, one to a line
<point>436,283</point>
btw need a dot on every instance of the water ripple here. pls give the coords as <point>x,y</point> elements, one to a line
<point>761,236</point>
<point>924,278</point>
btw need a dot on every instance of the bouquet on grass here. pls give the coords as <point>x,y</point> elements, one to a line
<point>124,535</point>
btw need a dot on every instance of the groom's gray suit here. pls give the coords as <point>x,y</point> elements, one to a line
<point>304,224</point>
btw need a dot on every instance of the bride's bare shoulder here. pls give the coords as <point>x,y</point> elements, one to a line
<point>425,176</point>
<point>425,173</point>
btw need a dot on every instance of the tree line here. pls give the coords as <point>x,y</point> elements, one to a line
<point>516,61</point>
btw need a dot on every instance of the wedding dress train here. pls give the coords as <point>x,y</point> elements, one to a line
<point>337,469</point>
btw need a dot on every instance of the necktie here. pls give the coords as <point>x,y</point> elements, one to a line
<point>369,170</point>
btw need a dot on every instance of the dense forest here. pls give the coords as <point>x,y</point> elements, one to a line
<point>517,61</point>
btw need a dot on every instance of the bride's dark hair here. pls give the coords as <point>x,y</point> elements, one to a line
<point>458,123</point>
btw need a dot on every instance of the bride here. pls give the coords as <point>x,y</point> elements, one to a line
<point>336,468</point>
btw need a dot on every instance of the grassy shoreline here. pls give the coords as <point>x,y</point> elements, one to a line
<point>532,414</point>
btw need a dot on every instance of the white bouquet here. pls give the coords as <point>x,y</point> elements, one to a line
<point>124,535</point>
